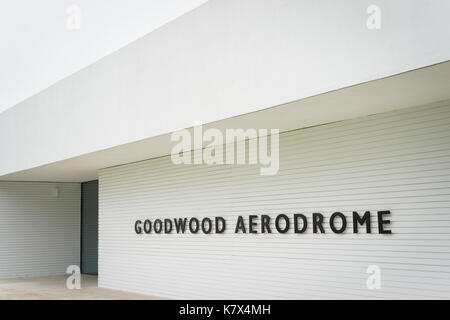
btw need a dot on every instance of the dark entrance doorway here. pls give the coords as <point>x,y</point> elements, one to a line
<point>89,227</point>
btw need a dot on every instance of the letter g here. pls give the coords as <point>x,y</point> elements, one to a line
<point>137,227</point>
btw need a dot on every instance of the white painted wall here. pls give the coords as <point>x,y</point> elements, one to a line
<point>225,58</point>
<point>38,49</point>
<point>39,233</point>
<point>397,161</point>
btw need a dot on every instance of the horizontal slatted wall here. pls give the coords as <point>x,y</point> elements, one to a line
<point>397,161</point>
<point>39,231</point>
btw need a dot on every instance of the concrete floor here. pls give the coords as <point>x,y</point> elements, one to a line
<point>54,288</point>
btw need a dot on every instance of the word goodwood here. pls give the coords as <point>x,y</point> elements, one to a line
<point>282,223</point>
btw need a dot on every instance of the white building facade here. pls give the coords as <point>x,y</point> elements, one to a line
<point>363,115</point>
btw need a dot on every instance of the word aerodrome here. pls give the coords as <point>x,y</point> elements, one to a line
<point>282,223</point>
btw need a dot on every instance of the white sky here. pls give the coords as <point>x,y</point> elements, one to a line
<point>37,49</point>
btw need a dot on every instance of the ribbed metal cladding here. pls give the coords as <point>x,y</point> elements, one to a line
<point>39,228</point>
<point>397,161</point>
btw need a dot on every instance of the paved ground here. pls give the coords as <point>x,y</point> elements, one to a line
<point>54,288</point>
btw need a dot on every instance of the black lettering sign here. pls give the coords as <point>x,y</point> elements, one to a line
<point>284,223</point>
